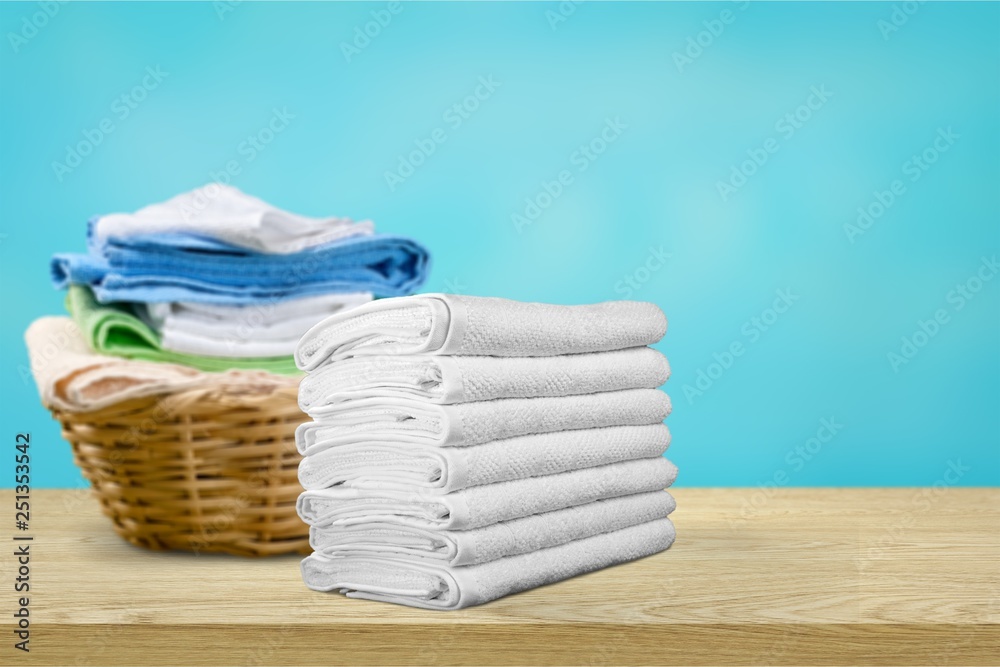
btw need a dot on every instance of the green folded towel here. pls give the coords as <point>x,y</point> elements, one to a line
<point>112,328</point>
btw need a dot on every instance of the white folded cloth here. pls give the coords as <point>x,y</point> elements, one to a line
<point>259,330</point>
<point>421,583</point>
<point>187,343</point>
<point>405,466</point>
<point>479,506</point>
<point>479,326</point>
<point>401,420</point>
<point>227,214</point>
<point>447,379</point>
<point>481,545</point>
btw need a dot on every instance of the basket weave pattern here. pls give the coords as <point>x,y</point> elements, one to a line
<point>210,469</point>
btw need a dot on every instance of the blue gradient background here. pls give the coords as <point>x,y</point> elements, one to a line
<point>655,187</point>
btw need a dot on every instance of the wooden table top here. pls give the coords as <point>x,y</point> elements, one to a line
<point>790,576</point>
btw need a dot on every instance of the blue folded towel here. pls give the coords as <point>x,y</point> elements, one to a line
<point>186,267</point>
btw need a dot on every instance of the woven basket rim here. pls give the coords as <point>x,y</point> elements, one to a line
<point>205,468</point>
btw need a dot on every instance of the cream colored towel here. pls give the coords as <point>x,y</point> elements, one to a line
<point>70,376</point>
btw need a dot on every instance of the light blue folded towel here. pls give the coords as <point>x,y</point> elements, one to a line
<point>187,267</point>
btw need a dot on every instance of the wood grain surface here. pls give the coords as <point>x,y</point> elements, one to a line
<point>786,577</point>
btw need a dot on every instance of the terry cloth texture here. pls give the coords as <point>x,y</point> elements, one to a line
<point>231,216</point>
<point>420,583</point>
<point>405,466</point>
<point>261,330</point>
<point>480,506</point>
<point>401,420</point>
<point>70,376</point>
<point>479,326</point>
<point>481,545</point>
<point>445,379</point>
<point>187,267</point>
<point>465,448</point>
<point>114,329</point>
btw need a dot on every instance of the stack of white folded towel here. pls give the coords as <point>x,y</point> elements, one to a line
<point>466,448</point>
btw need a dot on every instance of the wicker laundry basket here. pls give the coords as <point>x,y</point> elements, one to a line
<point>208,469</point>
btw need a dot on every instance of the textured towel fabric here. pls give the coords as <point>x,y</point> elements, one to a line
<point>419,583</point>
<point>479,326</point>
<point>404,466</point>
<point>445,379</point>
<point>114,329</point>
<point>398,420</point>
<point>260,330</point>
<point>480,506</point>
<point>481,545</point>
<point>224,213</point>
<point>182,267</point>
<point>70,376</point>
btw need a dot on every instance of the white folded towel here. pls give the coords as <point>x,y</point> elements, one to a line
<point>479,326</point>
<point>499,540</point>
<point>236,348</point>
<point>405,466</point>
<point>479,506</point>
<point>447,379</point>
<point>224,213</point>
<point>260,330</point>
<point>401,420</point>
<point>420,583</point>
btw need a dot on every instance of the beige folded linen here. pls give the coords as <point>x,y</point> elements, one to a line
<point>72,377</point>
